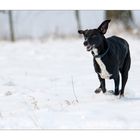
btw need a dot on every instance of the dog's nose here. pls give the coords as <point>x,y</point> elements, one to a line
<point>85,43</point>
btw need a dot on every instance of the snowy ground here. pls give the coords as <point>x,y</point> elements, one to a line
<point>37,80</point>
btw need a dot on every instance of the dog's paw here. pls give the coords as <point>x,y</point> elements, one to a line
<point>98,90</point>
<point>121,96</point>
<point>109,92</point>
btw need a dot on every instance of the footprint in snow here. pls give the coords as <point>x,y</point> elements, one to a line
<point>10,83</point>
<point>8,93</point>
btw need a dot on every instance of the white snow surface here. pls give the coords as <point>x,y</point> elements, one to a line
<point>39,83</point>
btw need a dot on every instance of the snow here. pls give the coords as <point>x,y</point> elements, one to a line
<point>39,82</point>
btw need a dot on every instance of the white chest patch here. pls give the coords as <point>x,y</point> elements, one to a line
<point>104,73</point>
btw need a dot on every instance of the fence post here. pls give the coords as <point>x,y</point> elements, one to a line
<point>77,15</point>
<point>11,25</point>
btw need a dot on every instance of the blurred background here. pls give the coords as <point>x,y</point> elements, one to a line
<point>15,25</point>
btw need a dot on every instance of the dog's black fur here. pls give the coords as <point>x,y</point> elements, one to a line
<point>113,52</point>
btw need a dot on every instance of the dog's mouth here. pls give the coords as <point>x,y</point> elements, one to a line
<point>89,48</point>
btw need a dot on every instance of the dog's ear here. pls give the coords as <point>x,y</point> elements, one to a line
<point>81,31</point>
<point>104,26</point>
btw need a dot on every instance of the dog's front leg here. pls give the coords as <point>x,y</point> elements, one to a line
<point>117,81</point>
<point>102,85</point>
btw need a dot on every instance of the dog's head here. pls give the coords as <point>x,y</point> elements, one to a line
<point>94,37</point>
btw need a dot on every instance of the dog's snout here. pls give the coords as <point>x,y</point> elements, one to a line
<point>85,43</point>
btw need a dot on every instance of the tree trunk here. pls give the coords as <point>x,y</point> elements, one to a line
<point>123,16</point>
<point>11,25</point>
<point>77,15</point>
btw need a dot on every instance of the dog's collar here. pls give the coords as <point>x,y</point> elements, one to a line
<point>101,55</point>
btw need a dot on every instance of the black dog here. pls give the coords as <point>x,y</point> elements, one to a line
<point>110,56</point>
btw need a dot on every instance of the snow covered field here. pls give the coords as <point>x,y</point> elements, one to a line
<point>39,80</point>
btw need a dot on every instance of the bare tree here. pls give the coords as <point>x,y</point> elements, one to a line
<point>123,16</point>
<point>12,35</point>
<point>77,15</point>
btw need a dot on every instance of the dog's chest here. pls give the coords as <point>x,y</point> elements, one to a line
<point>104,73</point>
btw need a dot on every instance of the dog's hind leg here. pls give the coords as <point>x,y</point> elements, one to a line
<point>102,85</point>
<point>124,80</point>
<point>124,73</point>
